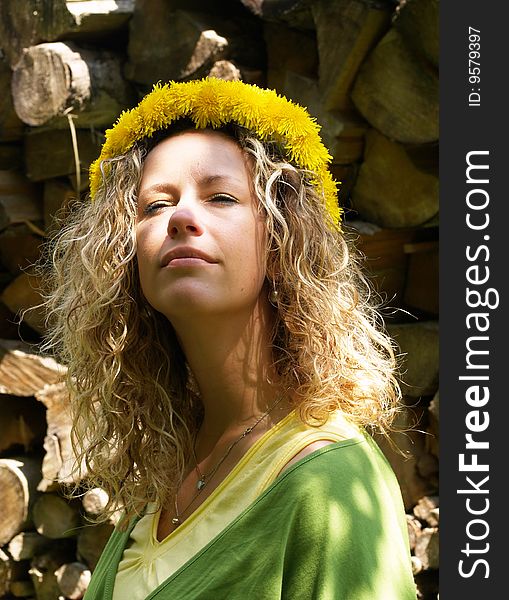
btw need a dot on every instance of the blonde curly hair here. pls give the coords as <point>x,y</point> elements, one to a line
<point>134,406</point>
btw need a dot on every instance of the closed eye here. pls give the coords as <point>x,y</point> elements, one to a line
<point>223,199</point>
<point>156,205</point>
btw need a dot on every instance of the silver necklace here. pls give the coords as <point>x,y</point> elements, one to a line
<point>203,479</point>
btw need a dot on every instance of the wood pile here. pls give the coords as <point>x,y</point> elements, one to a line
<point>367,70</point>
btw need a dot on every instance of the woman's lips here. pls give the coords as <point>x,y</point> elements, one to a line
<point>185,256</point>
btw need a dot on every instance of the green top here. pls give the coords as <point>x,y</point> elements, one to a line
<point>331,527</point>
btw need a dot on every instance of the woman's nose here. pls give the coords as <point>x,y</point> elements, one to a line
<point>184,221</point>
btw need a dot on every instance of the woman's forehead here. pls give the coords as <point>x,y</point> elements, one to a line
<point>210,156</point>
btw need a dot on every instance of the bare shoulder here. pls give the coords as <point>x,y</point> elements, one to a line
<point>305,451</point>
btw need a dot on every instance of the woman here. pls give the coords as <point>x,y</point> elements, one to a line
<point>224,359</point>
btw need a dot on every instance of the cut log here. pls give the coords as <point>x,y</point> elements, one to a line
<point>346,175</point>
<point>386,260</point>
<point>414,530</point>
<point>49,153</point>
<point>55,78</point>
<point>26,545</point>
<point>390,190</point>
<point>418,343</point>
<point>11,126</point>
<point>8,327</point>
<point>94,501</point>
<point>24,373</point>
<point>225,69</point>
<point>19,248</point>
<point>426,510</point>
<point>427,548</point>
<point>289,50</point>
<point>58,463</point>
<point>91,17</point>
<point>19,199</point>
<point>18,483</point>
<point>421,286</point>
<point>24,24</point>
<point>398,93</point>
<point>22,423</point>
<point>19,209</point>
<point>409,442</point>
<point>346,31</point>
<point>43,568</point>
<point>416,568</point>
<point>73,579</point>
<point>342,132</point>
<point>418,23</point>
<point>427,467</point>
<point>11,156</point>
<point>21,295</point>
<point>295,13</point>
<point>57,195</point>
<point>91,541</point>
<point>185,45</point>
<point>5,573</point>
<point>190,46</point>
<point>55,518</point>
<point>22,589</point>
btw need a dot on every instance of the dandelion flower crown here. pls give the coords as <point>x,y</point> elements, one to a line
<point>213,103</point>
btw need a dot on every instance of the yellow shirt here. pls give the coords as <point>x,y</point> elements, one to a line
<point>146,562</point>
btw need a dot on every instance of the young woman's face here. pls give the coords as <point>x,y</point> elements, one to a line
<point>200,237</point>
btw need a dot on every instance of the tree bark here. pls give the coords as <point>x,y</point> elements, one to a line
<point>346,32</point>
<point>58,463</point>
<point>185,45</point>
<point>22,423</point>
<point>55,78</point>
<point>22,295</point>
<point>22,589</point>
<point>421,287</point>
<point>18,482</point>
<point>43,568</point>
<point>91,542</point>
<point>19,200</point>
<point>24,24</point>
<point>11,155</point>
<point>94,501</point>
<point>23,373</point>
<point>289,50</point>
<point>5,573</point>
<point>11,126</point>
<point>418,23</point>
<point>49,153</point>
<point>295,13</point>
<point>26,545</point>
<point>397,92</point>
<point>20,247</point>
<point>391,190</point>
<point>55,518</point>
<point>342,131</point>
<point>73,579</point>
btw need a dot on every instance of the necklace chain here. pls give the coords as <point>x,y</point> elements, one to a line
<point>205,478</point>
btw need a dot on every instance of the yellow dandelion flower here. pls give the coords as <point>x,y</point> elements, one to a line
<point>212,102</point>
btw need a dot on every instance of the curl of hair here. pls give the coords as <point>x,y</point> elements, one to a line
<point>133,406</point>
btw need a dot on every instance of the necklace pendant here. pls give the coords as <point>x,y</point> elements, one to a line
<point>175,521</point>
<point>200,484</point>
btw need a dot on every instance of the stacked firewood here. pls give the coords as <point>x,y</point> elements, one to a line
<point>366,69</point>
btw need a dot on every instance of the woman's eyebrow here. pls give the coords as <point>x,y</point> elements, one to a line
<point>202,181</point>
<point>156,188</point>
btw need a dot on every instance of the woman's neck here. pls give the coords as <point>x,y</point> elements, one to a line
<point>231,360</point>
